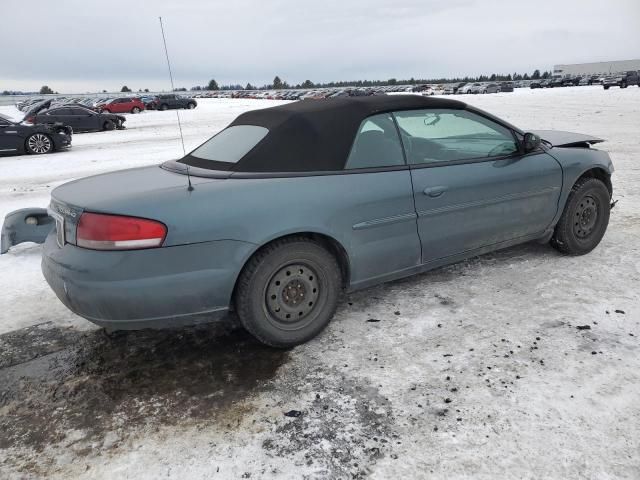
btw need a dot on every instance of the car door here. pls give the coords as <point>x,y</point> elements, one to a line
<point>473,186</point>
<point>62,115</point>
<point>83,119</point>
<point>379,203</point>
<point>118,105</point>
<point>9,137</point>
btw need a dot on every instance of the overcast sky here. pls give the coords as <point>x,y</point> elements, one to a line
<point>86,45</point>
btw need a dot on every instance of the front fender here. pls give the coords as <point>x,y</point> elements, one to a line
<point>25,225</point>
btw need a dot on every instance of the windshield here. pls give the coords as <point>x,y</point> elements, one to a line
<point>231,144</point>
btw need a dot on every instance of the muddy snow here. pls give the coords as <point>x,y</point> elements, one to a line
<point>484,369</point>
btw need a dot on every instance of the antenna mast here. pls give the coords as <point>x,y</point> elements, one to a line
<point>166,52</point>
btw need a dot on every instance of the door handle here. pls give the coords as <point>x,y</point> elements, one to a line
<point>435,191</point>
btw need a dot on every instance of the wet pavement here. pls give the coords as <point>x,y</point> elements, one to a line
<point>59,380</point>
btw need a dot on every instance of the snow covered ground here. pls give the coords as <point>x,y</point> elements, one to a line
<point>471,371</point>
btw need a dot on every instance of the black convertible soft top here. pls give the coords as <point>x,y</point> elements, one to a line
<point>313,135</point>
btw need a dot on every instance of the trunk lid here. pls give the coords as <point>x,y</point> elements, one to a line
<point>37,108</point>
<point>122,190</point>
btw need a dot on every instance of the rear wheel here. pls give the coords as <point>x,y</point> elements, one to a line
<point>585,218</point>
<point>288,292</point>
<point>39,143</point>
<point>164,107</point>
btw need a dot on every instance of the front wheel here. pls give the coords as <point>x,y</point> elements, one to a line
<point>39,143</point>
<point>135,110</point>
<point>191,106</point>
<point>288,292</point>
<point>108,125</point>
<point>164,107</point>
<point>585,218</point>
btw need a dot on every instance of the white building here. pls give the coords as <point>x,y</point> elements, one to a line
<point>595,68</point>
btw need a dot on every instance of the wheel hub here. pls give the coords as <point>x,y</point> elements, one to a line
<point>586,217</point>
<point>292,293</point>
<point>39,143</point>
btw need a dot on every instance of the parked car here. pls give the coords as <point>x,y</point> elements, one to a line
<point>122,105</point>
<point>469,88</point>
<point>171,100</point>
<point>452,88</point>
<point>555,82</point>
<point>18,137</point>
<point>489,88</point>
<point>506,86</point>
<point>535,84</point>
<point>400,185</point>
<point>622,80</point>
<point>76,116</point>
<point>150,102</point>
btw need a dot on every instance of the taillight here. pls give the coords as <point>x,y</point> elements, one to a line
<point>115,232</point>
<point>30,119</point>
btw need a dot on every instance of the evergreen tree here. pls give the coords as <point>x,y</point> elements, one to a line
<point>45,90</point>
<point>213,85</point>
<point>125,89</point>
<point>536,75</point>
<point>277,83</point>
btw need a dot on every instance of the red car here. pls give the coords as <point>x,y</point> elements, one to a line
<point>122,105</point>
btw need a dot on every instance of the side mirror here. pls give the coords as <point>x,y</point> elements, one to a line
<point>531,142</point>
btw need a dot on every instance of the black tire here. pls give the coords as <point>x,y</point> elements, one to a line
<point>108,125</point>
<point>191,106</point>
<point>584,219</point>
<point>135,110</point>
<point>164,107</point>
<point>623,85</point>
<point>38,144</point>
<point>606,87</point>
<point>288,292</point>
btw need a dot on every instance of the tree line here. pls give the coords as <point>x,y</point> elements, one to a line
<point>279,84</point>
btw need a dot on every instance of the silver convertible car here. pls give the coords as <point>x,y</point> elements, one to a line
<point>286,208</point>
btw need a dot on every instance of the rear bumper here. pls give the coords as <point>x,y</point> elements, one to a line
<point>154,288</point>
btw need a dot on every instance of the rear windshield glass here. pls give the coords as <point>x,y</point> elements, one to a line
<point>231,144</point>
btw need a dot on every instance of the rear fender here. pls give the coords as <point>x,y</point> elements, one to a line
<point>25,225</point>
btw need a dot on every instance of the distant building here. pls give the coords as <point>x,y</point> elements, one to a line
<point>597,67</point>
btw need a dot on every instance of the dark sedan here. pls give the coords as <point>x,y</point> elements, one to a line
<point>17,138</point>
<point>81,119</point>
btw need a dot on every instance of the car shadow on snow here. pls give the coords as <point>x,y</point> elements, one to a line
<point>63,386</point>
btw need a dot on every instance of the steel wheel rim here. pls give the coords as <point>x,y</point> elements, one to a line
<point>39,143</point>
<point>291,295</point>
<point>586,217</point>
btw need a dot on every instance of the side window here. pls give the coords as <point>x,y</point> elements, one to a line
<point>439,135</point>
<point>59,111</point>
<point>376,144</point>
